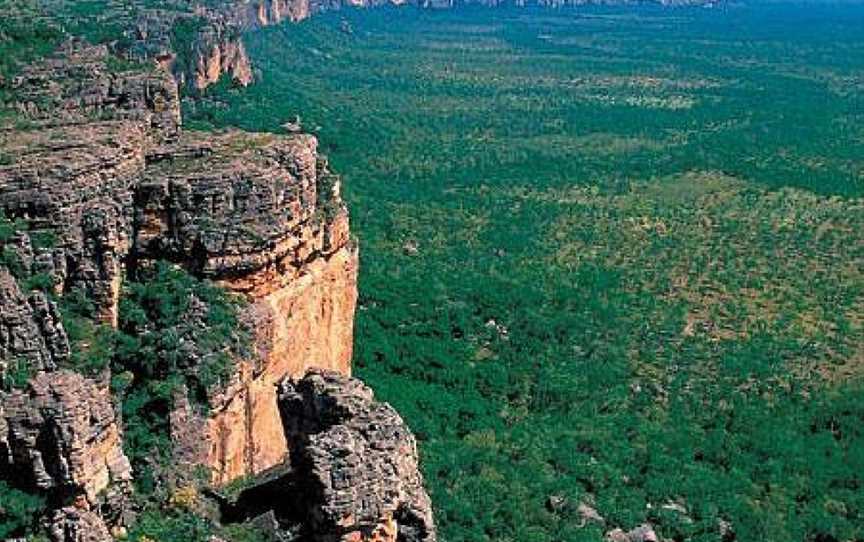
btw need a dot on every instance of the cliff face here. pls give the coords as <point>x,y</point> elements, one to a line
<point>353,471</point>
<point>307,323</point>
<point>258,213</point>
<point>356,461</point>
<point>261,215</point>
<point>76,164</point>
<point>30,329</point>
<point>62,435</point>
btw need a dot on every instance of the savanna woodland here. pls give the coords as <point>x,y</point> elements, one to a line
<point>611,261</point>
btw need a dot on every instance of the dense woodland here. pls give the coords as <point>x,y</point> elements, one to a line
<point>610,257</point>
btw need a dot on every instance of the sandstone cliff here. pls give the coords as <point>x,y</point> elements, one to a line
<point>62,435</point>
<point>261,215</point>
<point>353,472</point>
<point>118,182</point>
<point>356,461</point>
<point>31,332</point>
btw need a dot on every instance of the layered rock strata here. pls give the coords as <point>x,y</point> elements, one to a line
<point>61,435</point>
<point>74,167</point>
<point>353,471</point>
<point>81,83</point>
<point>31,332</point>
<point>259,214</point>
<point>355,460</point>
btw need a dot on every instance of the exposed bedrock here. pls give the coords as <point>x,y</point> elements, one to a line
<point>77,524</point>
<point>216,56</point>
<point>82,82</point>
<point>31,331</point>
<point>353,472</point>
<point>260,214</point>
<point>61,436</point>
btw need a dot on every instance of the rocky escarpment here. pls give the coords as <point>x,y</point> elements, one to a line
<point>259,214</point>
<point>102,165</point>
<point>356,460</point>
<point>200,43</point>
<point>61,435</point>
<point>353,470</point>
<point>232,17</point>
<point>73,168</point>
<point>31,332</point>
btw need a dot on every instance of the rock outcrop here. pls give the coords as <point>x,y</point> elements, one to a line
<point>77,524</point>
<point>31,332</point>
<point>75,165</point>
<point>352,473</point>
<point>61,435</point>
<point>83,83</point>
<point>354,461</point>
<point>75,180</point>
<point>260,214</point>
<point>218,53</point>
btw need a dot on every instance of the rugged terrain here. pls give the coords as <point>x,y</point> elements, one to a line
<point>100,188</point>
<point>199,42</point>
<point>177,318</point>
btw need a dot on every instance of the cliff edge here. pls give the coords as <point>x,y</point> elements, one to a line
<point>99,164</point>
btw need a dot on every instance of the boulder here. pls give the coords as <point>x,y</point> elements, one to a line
<point>354,461</point>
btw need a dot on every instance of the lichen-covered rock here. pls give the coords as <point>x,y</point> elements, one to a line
<point>230,204</point>
<point>74,524</point>
<point>355,462</point>
<point>75,180</point>
<point>82,82</point>
<point>31,331</point>
<point>260,214</point>
<point>61,434</point>
<point>73,168</point>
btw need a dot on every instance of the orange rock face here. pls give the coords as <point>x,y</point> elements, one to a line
<point>305,323</point>
<point>260,214</point>
<point>225,57</point>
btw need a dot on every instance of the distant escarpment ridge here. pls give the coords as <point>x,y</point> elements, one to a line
<point>209,45</point>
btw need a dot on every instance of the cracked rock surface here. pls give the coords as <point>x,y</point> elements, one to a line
<point>355,460</point>
<point>61,435</point>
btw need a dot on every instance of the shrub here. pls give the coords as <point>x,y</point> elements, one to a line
<point>92,343</point>
<point>18,511</point>
<point>174,331</point>
<point>16,373</point>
